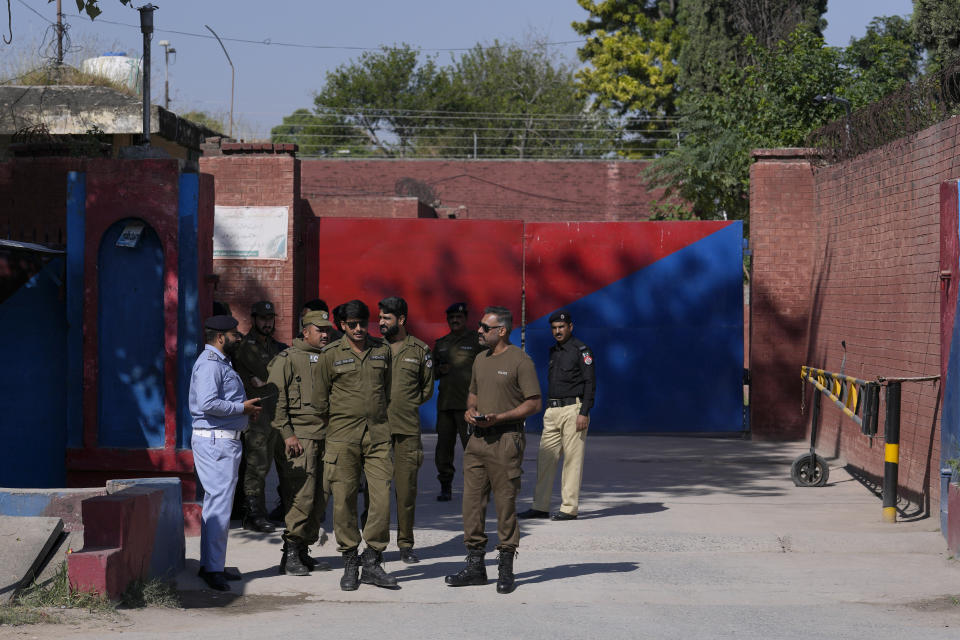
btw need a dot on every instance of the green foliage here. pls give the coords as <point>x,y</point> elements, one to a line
<point>319,135</point>
<point>207,120</point>
<point>767,104</point>
<point>56,592</point>
<point>883,60</point>
<point>632,51</point>
<point>385,95</point>
<point>936,26</point>
<point>502,100</point>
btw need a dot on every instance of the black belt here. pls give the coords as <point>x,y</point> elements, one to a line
<point>497,429</point>
<point>553,403</point>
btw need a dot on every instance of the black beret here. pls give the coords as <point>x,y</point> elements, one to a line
<point>221,323</point>
<point>457,307</point>
<point>561,316</point>
<point>263,308</point>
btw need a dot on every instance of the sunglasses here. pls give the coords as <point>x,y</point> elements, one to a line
<point>353,324</point>
<point>488,329</point>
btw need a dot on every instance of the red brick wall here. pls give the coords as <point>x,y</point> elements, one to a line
<point>36,209</point>
<point>875,226</point>
<point>782,244</point>
<point>368,207</point>
<point>532,190</point>
<point>259,180</point>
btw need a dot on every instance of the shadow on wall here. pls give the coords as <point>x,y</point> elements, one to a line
<point>33,339</point>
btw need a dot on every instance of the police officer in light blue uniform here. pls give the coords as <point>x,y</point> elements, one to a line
<point>219,408</point>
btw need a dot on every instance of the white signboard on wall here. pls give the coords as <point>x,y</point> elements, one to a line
<point>250,233</point>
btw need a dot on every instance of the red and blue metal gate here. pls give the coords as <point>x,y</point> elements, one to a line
<point>660,303</point>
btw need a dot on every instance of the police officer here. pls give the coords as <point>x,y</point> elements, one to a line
<point>301,426</point>
<point>219,409</point>
<point>571,386</point>
<point>354,389</point>
<point>261,444</point>
<point>503,391</point>
<point>412,385</point>
<point>454,354</point>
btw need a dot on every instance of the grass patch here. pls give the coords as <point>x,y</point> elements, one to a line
<point>17,615</point>
<point>150,593</point>
<point>56,593</point>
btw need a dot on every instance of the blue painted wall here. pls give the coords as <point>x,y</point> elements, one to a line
<point>131,341</point>
<point>668,342</point>
<point>189,337</point>
<point>33,405</point>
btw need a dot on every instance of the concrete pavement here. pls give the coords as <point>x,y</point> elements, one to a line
<point>677,538</point>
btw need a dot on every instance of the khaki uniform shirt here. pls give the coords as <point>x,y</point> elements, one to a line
<point>504,381</point>
<point>354,390</point>
<point>458,352</point>
<point>295,372</point>
<point>251,361</point>
<point>412,385</point>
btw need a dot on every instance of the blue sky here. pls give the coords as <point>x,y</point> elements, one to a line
<point>274,79</point>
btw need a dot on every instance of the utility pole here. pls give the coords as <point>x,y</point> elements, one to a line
<point>146,28</point>
<point>59,34</point>
<point>167,50</point>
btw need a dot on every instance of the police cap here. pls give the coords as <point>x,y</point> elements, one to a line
<point>320,319</point>
<point>221,323</point>
<point>561,316</point>
<point>457,307</point>
<point>263,308</point>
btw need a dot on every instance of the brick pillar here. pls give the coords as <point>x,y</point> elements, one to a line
<point>253,175</point>
<point>782,215</point>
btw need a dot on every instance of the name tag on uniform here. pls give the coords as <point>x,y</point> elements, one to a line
<point>314,357</point>
<point>466,347</point>
<point>344,361</point>
<point>380,357</point>
<point>504,373</point>
<point>413,360</point>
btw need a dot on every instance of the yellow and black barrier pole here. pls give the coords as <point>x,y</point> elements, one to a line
<point>891,453</point>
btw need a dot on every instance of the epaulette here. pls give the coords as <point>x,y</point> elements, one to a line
<point>212,356</point>
<point>420,343</point>
<point>282,354</point>
<point>331,345</point>
<point>377,341</point>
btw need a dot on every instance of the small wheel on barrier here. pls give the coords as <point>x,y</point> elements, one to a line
<point>809,471</point>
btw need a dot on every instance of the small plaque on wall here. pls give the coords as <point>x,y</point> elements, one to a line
<point>250,233</point>
<point>130,236</point>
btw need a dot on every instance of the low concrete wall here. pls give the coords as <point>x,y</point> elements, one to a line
<point>169,548</point>
<point>60,503</point>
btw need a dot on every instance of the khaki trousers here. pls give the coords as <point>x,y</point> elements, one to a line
<point>560,437</point>
<point>304,476</point>
<point>342,464</point>
<point>407,459</point>
<point>492,464</point>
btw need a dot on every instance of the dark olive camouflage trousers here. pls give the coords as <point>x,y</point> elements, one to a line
<point>260,448</point>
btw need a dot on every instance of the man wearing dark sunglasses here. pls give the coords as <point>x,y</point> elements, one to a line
<point>354,390</point>
<point>503,391</point>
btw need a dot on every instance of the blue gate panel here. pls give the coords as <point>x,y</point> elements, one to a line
<point>130,341</point>
<point>33,340</point>
<point>667,337</point>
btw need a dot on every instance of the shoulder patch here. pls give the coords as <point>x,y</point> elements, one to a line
<point>587,357</point>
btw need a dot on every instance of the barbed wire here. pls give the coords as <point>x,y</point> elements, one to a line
<point>918,105</point>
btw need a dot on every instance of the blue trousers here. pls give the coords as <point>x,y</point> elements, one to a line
<point>216,461</point>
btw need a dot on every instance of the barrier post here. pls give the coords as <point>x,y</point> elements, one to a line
<point>891,457</point>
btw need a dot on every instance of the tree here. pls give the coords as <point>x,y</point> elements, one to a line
<point>716,30</point>
<point>386,95</point>
<point>936,26</point>
<point>516,102</point>
<point>766,104</point>
<point>319,135</point>
<point>632,51</point>
<point>883,60</point>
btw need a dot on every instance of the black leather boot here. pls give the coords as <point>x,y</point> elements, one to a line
<point>505,579</point>
<point>290,563</point>
<point>446,492</point>
<point>351,571</point>
<point>254,516</point>
<point>475,573</point>
<point>312,563</point>
<point>373,572</point>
